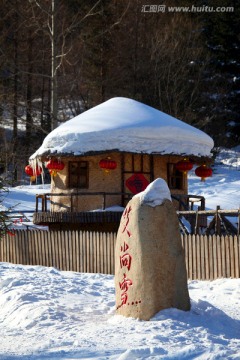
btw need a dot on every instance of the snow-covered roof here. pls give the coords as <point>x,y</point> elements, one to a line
<point>125,125</point>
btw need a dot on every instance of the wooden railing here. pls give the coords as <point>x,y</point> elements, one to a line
<point>210,222</point>
<point>185,202</point>
<point>49,198</point>
<point>207,257</point>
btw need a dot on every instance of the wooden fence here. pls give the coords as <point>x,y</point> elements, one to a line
<point>207,257</point>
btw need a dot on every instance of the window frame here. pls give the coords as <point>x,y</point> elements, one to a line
<point>175,178</point>
<point>80,171</point>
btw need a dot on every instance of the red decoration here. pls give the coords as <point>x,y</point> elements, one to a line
<point>203,172</point>
<point>33,172</point>
<point>54,166</point>
<point>137,183</point>
<point>107,164</point>
<point>184,166</point>
<point>29,170</point>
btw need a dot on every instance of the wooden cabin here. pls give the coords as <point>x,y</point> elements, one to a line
<point>109,153</point>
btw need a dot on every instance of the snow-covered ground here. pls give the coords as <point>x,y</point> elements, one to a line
<point>51,314</point>
<point>48,314</point>
<point>223,188</point>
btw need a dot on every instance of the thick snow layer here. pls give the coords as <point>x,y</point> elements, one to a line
<point>125,125</point>
<point>155,193</point>
<point>50,314</point>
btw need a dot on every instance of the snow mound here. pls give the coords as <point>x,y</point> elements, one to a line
<point>125,125</point>
<point>155,193</point>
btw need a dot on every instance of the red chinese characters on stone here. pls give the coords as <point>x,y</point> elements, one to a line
<point>125,260</point>
<point>125,247</point>
<point>124,285</point>
<point>126,218</point>
<point>124,298</point>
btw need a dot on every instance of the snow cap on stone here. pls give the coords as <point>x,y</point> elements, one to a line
<point>155,193</point>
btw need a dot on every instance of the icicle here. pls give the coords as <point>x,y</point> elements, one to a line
<point>37,163</point>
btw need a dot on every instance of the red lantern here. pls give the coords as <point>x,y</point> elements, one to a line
<point>33,172</point>
<point>54,166</point>
<point>203,172</point>
<point>107,164</point>
<point>29,170</point>
<point>184,166</point>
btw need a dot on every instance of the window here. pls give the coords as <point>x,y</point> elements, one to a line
<point>78,174</point>
<point>175,177</point>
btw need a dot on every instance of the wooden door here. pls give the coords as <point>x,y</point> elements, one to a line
<point>137,173</point>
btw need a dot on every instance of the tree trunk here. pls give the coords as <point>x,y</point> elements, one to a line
<point>54,110</point>
<point>29,120</point>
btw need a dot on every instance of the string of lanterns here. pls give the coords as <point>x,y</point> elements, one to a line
<point>52,165</point>
<point>202,171</point>
<point>185,165</point>
<point>107,164</point>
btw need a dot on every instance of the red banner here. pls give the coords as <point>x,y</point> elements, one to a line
<point>137,183</point>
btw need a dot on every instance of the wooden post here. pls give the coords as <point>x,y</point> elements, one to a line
<point>104,201</point>
<point>196,223</point>
<point>43,202</point>
<point>46,198</point>
<point>238,230</point>
<point>36,203</point>
<point>217,222</point>
<point>203,203</point>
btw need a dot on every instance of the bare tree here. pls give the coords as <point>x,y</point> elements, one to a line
<point>59,32</point>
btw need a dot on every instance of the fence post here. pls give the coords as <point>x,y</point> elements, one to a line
<point>37,203</point>
<point>217,222</point>
<point>238,231</point>
<point>104,201</point>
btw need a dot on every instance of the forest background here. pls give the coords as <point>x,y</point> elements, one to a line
<point>59,58</point>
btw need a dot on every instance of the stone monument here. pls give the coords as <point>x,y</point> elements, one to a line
<point>150,271</point>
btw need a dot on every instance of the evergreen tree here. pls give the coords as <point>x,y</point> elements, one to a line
<point>221,30</point>
<point>4,219</point>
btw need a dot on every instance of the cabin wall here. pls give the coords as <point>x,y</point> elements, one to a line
<point>151,166</point>
<point>161,170</point>
<point>160,165</point>
<point>99,181</point>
